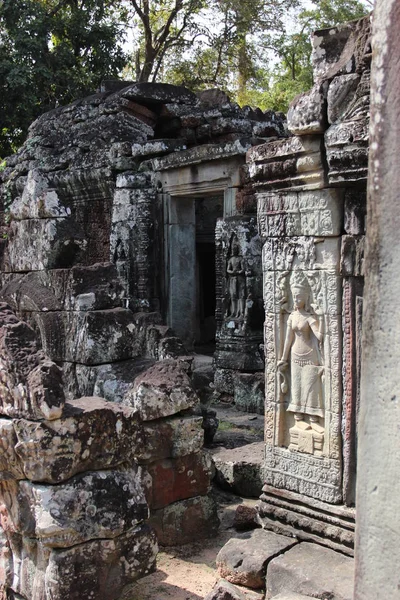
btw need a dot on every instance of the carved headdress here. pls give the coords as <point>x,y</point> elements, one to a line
<point>299,282</point>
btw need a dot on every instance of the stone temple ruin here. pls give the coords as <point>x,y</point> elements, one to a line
<point>145,225</point>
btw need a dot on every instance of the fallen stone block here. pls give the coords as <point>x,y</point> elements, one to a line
<point>110,381</point>
<point>240,470</point>
<point>223,590</point>
<point>98,504</point>
<point>169,480</point>
<point>161,391</point>
<point>245,518</point>
<point>185,521</point>
<point>92,434</point>
<point>244,560</point>
<point>312,570</point>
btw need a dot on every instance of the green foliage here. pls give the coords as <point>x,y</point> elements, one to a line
<point>292,74</point>
<point>51,53</point>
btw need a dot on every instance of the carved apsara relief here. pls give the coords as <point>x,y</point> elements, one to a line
<point>300,368</point>
<point>236,282</point>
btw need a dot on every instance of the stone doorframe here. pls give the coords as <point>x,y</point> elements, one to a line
<point>180,182</point>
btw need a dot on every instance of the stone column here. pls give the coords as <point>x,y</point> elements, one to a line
<point>378,489</point>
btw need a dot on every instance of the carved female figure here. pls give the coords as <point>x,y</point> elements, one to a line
<point>236,284</point>
<point>303,334</point>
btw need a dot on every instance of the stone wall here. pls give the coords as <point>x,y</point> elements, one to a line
<point>311,191</point>
<point>88,209</point>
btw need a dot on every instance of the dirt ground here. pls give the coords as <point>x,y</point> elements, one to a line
<point>188,572</point>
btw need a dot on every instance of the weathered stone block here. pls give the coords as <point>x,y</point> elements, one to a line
<point>161,391</point>
<point>294,163</point>
<point>186,520</point>
<point>245,518</point>
<point>96,504</point>
<point>240,470</point>
<point>295,571</point>
<point>355,209</point>
<point>244,560</point>
<point>80,288</point>
<point>30,385</point>
<point>110,381</point>
<point>347,152</point>
<point>37,200</point>
<point>151,94</point>
<point>340,95</point>
<point>352,255</point>
<point>92,337</point>
<point>307,112</point>
<point>95,569</point>
<point>171,480</point>
<point>223,590</point>
<point>91,434</point>
<point>157,147</point>
<point>10,464</point>
<point>249,392</point>
<point>52,238</point>
<point>171,437</point>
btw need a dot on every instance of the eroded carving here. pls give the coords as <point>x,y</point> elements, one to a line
<point>236,283</point>
<point>300,369</point>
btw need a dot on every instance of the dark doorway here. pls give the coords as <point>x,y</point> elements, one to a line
<point>207,210</point>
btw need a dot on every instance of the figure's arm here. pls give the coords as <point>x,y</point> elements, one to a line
<point>288,343</point>
<point>241,267</point>
<point>317,327</point>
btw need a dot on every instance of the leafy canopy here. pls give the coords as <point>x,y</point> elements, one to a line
<point>52,52</point>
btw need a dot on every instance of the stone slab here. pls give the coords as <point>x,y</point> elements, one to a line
<point>312,570</point>
<point>244,559</point>
<point>161,391</point>
<point>240,470</point>
<point>93,505</point>
<point>92,434</point>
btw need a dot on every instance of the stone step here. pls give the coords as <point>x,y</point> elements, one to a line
<point>311,570</point>
<point>240,470</point>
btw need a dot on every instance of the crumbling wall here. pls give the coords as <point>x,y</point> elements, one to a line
<point>82,265</point>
